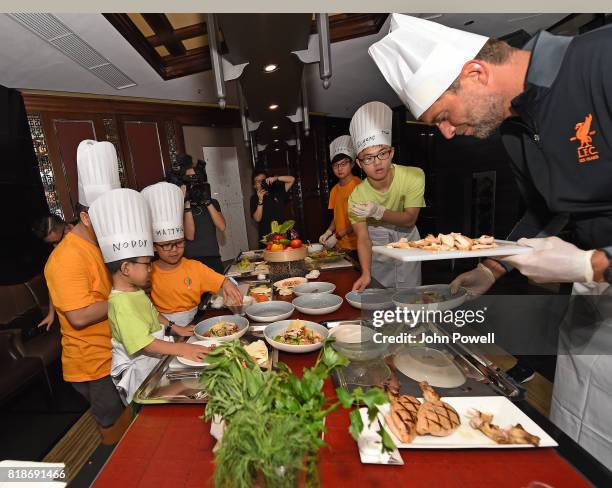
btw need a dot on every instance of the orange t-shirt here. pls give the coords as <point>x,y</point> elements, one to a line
<point>181,288</point>
<point>77,277</point>
<point>338,201</point>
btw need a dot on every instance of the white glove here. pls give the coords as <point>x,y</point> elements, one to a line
<point>324,236</point>
<point>476,282</point>
<point>553,261</point>
<point>331,241</point>
<point>370,209</point>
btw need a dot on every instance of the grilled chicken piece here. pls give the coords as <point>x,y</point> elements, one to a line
<point>434,416</point>
<point>461,242</point>
<point>447,240</point>
<point>402,419</point>
<point>431,239</point>
<point>511,435</point>
<point>484,239</point>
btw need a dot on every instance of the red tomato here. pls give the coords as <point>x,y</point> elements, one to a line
<point>277,237</point>
<point>295,243</point>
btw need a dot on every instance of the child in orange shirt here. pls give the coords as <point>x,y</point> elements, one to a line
<point>177,283</point>
<point>340,231</point>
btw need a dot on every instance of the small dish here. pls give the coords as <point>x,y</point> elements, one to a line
<point>317,303</point>
<point>270,311</point>
<point>314,287</point>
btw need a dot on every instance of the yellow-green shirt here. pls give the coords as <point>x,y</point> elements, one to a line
<point>406,191</point>
<point>133,319</point>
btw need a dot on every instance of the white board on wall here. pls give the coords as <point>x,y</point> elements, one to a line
<point>224,179</point>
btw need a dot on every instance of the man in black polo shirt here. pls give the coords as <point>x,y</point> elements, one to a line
<point>552,102</point>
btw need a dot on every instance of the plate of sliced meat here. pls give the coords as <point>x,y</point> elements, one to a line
<point>431,422</point>
<point>449,246</point>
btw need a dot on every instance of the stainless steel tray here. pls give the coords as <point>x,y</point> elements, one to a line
<point>483,378</point>
<point>168,383</point>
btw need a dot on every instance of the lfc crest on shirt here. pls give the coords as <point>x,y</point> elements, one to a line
<point>586,150</point>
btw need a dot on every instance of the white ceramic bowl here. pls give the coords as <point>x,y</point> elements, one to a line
<point>277,328</point>
<point>317,303</point>
<point>270,311</point>
<point>314,287</point>
<point>315,248</point>
<point>370,299</point>
<point>405,298</point>
<point>205,325</point>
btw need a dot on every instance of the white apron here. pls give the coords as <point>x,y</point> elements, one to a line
<point>390,272</point>
<point>181,318</point>
<point>128,372</point>
<point>582,392</point>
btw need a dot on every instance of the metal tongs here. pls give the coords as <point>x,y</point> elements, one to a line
<point>183,375</point>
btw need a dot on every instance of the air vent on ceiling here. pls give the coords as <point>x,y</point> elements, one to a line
<point>52,30</point>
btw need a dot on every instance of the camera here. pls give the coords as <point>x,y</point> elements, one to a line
<point>198,188</point>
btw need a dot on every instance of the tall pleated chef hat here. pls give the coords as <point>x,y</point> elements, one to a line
<point>420,59</point>
<point>342,145</point>
<point>98,170</point>
<point>166,204</point>
<point>122,222</point>
<point>371,126</point>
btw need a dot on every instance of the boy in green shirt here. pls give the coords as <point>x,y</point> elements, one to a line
<point>123,226</point>
<point>385,206</point>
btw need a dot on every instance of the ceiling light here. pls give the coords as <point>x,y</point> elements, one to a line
<point>270,68</point>
<point>274,127</point>
<point>275,140</point>
<point>274,106</point>
<point>277,149</point>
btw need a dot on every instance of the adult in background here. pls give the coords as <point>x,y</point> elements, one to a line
<point>268,202</point>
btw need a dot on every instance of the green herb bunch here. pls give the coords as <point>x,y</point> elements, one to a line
<point>274,420</point>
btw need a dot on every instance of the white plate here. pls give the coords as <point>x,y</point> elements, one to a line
<point>189,362</point>
<point>298,280</point>
<point>314,287</point>
<point>205,325</point>
<point>422,363</point>
<point>370,299</point>
<point>278,328</point>
<point>505,413</point>
<point>270,311</point>
<point>317,303</point>
<point>504,248</point>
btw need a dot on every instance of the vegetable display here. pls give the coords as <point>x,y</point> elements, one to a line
<point>262,410</point>
<point>282,236</point>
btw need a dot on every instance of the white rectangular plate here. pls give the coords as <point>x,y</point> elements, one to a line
<point>505,413</point>
<point>504,248</point>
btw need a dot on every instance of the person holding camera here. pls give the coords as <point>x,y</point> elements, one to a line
<point>202,215</point>
<point>267,204</point>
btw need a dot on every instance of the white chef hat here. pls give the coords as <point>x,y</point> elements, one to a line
<point>420,59</point>
<point>371,126</point>
<point>98,170</point>
<point>342,145</point>
<point>122,223</point>
<point>165,201</point>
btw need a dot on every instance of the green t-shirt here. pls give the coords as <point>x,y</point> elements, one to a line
<point>133,319</point>
<point>406,191</point>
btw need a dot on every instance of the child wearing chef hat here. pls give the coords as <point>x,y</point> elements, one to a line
<point>79,285</point>
<point>122,223</point>
<point>340,231</point>
<point>384,208</point>
<point>178,283</point>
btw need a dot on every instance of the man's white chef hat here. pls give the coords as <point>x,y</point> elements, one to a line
<point>420,59</point>
<point>371,126</point>
<point>98,170</point>
<point>165,201</point>
<point>122,223</point>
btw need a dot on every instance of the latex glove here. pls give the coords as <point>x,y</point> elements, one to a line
<point>331,241</point>
<point>553,261</point>
<point>231,293</point>
<point>370,209</point>
<point>324,236</point>
<point>476,282</point>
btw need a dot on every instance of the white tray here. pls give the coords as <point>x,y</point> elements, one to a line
<point>504,248</point>
<point>505,413</point>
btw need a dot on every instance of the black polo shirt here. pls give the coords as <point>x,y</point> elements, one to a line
<point>561,142</point>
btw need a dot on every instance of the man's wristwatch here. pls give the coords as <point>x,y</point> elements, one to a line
<point>607,274</point>
<point>169,328</point>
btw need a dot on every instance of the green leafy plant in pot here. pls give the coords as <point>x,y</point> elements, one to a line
<point>274,420</point>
